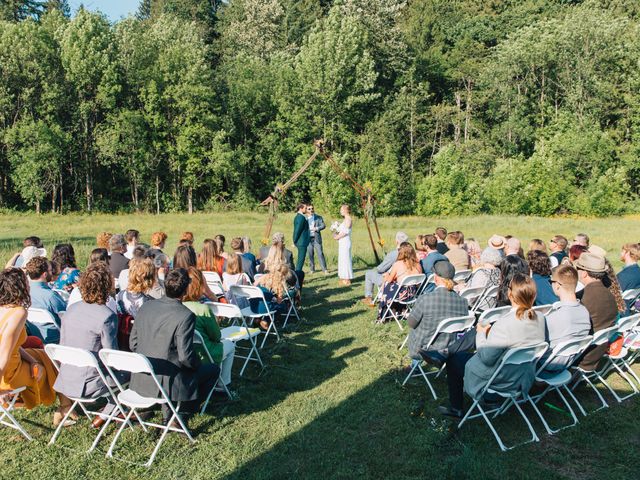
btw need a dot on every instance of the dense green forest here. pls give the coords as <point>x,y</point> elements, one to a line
<point>440,106</point>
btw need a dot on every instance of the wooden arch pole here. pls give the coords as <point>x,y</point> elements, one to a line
<point>366,197</point>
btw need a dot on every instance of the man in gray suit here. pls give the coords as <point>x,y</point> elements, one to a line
<point>374,277</point>
<point>316,225</point>
<point>163,332</point>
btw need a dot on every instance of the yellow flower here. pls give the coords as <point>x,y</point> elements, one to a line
<point>381,242</point>
<point>265,241</point>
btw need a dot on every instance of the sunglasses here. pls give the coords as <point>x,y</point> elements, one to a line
<point>555,281</point>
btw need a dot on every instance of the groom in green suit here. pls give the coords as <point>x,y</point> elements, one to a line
<point>301,235</point>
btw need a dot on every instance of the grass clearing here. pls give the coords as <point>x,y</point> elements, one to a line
<point>330,404</point>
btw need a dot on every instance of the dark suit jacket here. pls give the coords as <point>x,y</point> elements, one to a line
<point>301,235</point>
<point>117,263</point>
<point>163,332</point>
<point>442,248</point>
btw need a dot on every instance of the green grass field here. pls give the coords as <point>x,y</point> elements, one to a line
<point>329,404</point>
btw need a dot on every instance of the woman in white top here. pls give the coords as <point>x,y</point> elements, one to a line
<point>343,236</point>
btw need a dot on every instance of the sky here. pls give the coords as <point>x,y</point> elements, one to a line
<point>113,9</point>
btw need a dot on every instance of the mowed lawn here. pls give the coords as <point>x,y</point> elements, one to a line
<point>330,404</point>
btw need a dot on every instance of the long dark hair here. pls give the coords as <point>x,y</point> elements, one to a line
<point>63,257</point>
<point>509,267</point>
<point>185,257</point>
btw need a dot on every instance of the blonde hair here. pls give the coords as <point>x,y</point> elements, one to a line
<point>142,274</point>
<point>275,258</point>
<point>234,264</point>
<point>633,249</point>
<point>275,280</point>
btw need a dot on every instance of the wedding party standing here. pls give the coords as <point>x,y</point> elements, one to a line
<point>343,236</point>
<point>301,235</point>
<point>316,225</point>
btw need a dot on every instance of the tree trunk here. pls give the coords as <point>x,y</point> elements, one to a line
<point>61,195</point>
<point>37,206</point>
<point>190,200</point>
<point>54,194</point>
<point>456,124</point>
<point>89,191</point>
<point>157,194</point>
<point>467,116</point>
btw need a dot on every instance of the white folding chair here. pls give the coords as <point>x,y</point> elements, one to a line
<point>514,356</point>
<point>198,340</point>
<point>250,292</point>
<point>630,297</point>
<point>292,306</point>
<point>214,282</point>
<point>599,338</point>
<point>77,357</point>
<point>136,363</point>
<point>487,300</point>
<point>447,326</point>
<point>430,280</point>
<point>461,276</point>
<point>238,333</point>
<point>408,281</point>
<point>558,380</point>
<point>6,417</point>
<point>63,293</point>
<point>625,327</point>
<point>472,295</point>
<point>257,277</point>
<point>491,315</point>
<point>40,316</point>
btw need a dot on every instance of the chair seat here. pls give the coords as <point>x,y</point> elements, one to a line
<point>248,313</point>
<point>554,379</point>
<point>237,333</point>
<point>134,400</point>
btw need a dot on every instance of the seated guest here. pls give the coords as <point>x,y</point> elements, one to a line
<point>133,238</point>
<point>141,277</point>
<point>457,255</point>
<point>509,267</point>
<point>441,234</point>
<point>421,251</point>
<point>32,247</point>
<point>272,285</point>
<point>581,239</point>
<point>118,247</point>
<point>99,255</point>
<point>575,251</point>
<point>233,274</point>
<point>23,367</point>
<point>278,239</point>
<point>557,246</point>
<point>158,240</point>
<point>599,301</point>
<point>185,258</point>
<point>89,325</point>
<point>614,287</point>
<point>248,264</point>
<point>497,242</point>
<point>209,259</point>
<point>123,279</point>
<point>246,251</point>
<point>161,264</point>
<point>374,277</point>
<point>432,254</point>
<point>220,241</point>
<point>629,276</point>
<point>537,244</point>
<point>473,249</point>
<point>488,274</point>
<point>568,319</point>
<point>406,265</point>
<point>64,267</point>
<point>541,273</point>
<point>513,247</point>
<point>163,332</point>
<point>76,295</point>
<point>520,327</point>
<point>102,240</point>
<point>221,351</point>
<point>429,310</point>
<point>39,272</point>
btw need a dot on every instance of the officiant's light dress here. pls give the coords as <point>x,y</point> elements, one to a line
<point>345,268</point>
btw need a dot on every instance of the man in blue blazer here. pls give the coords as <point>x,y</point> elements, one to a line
<point>316,225</point>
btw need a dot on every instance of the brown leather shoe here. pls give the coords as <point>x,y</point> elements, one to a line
<point>368,302</point>
<point>98,422</point>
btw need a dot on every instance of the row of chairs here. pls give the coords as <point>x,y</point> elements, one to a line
<point>564,380</point>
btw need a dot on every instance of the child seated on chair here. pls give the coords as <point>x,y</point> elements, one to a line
<point>406,264</point>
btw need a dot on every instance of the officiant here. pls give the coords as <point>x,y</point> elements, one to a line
<point>316,225</point>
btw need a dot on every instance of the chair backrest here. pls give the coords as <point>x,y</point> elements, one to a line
<point>40,316</point>
<point>214,282</point>
<point>521,355</point>
<point>492,314</point>
<point>429,279</point>
<point>257,276</point>
<point>247,291</point>
<point>628,323</point>
<point>71,356</point>
<point>631,294</point>
<point>198,340</point>
<point>461,276</point>
<point>487,299</point>
<point>125,361</point>
<point>570,348</point>
<point>452,325</point>
<point>602,336</point>
<point>471,294</point>
<point>224,310</point>
<point>63,293</point>
<point>543,309</point>
<point>412,280</point>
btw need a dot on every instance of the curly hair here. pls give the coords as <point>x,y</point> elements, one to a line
<point>102,240</point>
<point>539,262</point>
<point>36,267</point>
<point>187,237</point>
<point>96,283</point>
<point>142,274</point>
<point>63,257</point>
<point>14,288</point>
<point>158,238</point>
